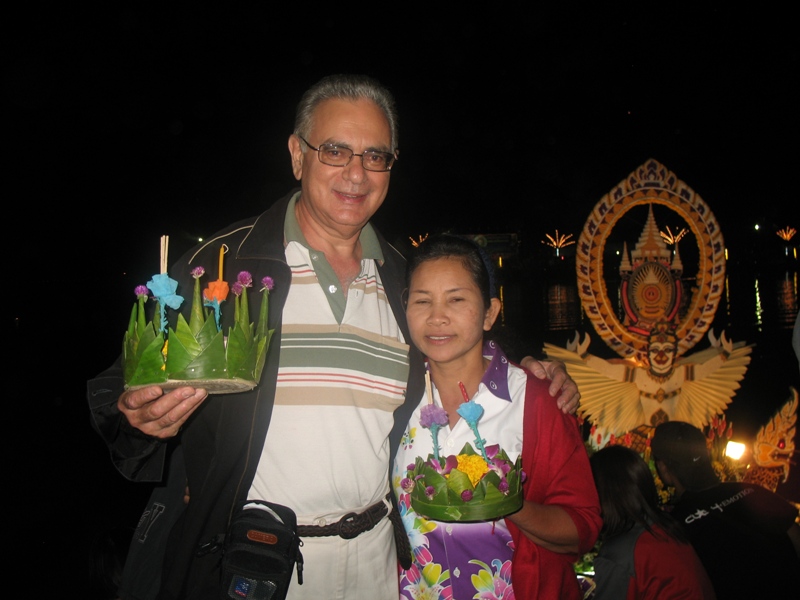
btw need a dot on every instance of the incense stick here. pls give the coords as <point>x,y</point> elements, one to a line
<point>428,389</point>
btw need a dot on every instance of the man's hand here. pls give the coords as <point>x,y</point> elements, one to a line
<point>158,414</point>
<point>569,397</point>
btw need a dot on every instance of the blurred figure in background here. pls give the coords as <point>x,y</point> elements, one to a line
<point>746,535</point>
<point>644,552</point>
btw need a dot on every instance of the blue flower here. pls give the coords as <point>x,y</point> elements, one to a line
<point>471,411</point>
<point>163,288</point>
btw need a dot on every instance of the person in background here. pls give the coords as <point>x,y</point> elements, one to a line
<point>746,536</point>
<point>338,289</point>
<point>531,551</point>
<point>644,553</point>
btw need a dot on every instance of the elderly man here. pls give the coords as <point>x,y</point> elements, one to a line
<point>334,412</point>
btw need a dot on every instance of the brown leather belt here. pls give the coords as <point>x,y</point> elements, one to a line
<point>350,525</point>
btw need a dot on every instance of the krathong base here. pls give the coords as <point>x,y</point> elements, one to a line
<point>467,512</point>
<point>212,386</point>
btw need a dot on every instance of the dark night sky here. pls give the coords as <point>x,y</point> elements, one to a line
<point>123,124</point>
<point>180,117</point>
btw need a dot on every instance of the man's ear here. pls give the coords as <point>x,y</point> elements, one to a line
<point>664,473</point>
<point>296,152</point>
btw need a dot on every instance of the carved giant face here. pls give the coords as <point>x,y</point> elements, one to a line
<point>661,353</point>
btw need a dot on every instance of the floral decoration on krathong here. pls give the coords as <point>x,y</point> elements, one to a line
<point>197,350</point>
<point>473,485</point>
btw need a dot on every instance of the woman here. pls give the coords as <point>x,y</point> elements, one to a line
<point>527,554</point>
<point>644,553</point>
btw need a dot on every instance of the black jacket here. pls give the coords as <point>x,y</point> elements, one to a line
<point>222,441</point>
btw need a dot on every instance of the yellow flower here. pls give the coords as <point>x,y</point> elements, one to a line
<point>473,466</point>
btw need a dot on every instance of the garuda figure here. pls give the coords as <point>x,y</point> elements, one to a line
<point>620,395</point>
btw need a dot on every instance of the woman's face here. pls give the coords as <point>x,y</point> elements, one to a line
<point>446,314</point>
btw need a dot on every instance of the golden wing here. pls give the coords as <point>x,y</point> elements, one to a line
<point>716,343</point>
<point>610,402</point>
<point>701,399</point>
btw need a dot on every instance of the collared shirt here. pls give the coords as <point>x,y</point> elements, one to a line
<point>343,371</point>
<point>319,271</point>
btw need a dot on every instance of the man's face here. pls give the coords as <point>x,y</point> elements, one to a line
<point>342,199</point>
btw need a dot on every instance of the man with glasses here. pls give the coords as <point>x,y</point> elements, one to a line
<point>340,381</point>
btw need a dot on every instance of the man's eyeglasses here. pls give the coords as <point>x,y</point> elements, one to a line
<point>340,156</point>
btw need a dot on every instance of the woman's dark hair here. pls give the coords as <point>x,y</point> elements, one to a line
<point>628,493</point>
<point>474,259</point>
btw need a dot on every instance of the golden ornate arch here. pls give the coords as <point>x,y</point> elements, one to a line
<point>650,184</point>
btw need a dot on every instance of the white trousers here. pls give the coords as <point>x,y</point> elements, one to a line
<point>364,568</point>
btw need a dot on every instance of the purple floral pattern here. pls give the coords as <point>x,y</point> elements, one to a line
<point>453,560</point>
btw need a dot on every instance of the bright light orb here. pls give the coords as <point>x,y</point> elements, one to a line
<point>734,450</point>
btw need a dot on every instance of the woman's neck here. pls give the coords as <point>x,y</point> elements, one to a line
<point>456,385</point>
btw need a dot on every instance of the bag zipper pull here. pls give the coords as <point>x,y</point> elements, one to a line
<point>212,545</point>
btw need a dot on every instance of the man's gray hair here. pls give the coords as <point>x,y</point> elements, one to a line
<point>345,87</point>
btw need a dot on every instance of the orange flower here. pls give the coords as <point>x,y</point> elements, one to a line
<point>216,290</point>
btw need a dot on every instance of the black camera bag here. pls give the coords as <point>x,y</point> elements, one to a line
<point>260,552</point>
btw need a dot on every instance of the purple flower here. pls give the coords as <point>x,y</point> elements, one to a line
<point>450,463</point>
<point>433,417</point>
<point>429,492</point>
<point>237,288</point>
<point>431,414</point>
<point>466,495</point>
<point>503,486</point>
<point>407,485</point>
<point>267,284</point>
<point>198,272</point>
<point>141,290</point>
<point>245,278</point>
<point>501,467</point>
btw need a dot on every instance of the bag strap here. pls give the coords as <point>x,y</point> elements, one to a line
<point>286,514</point>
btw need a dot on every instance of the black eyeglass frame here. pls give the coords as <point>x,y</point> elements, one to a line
<point>391,158</point>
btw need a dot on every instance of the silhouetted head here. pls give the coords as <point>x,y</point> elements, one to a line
<point>683,449</point>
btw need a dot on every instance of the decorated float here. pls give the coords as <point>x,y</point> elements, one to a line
<point>651,298</point>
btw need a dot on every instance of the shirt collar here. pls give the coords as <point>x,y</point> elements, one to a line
<point>370,247</point>
<point>496,376</point>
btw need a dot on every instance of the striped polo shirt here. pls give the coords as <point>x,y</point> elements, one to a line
<point>343,370</point>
